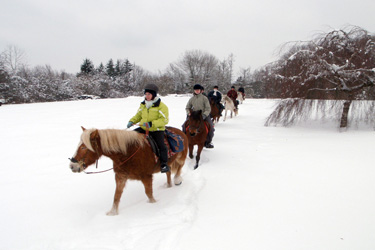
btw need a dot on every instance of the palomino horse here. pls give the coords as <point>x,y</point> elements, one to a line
<point>196,132</point>
<point>215,113</point>
<point>132,156</point>
<point>229,105</point>
<point>240,97</point>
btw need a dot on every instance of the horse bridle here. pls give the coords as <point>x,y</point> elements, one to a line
<point>82,161</point>
<point>197,128</point>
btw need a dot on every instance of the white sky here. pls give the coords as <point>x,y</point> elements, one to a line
<point>155,33</point>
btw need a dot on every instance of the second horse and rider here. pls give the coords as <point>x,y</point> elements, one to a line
<point>153,115</point>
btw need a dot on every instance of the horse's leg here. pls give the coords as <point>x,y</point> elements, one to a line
<point>169,180</point>
<point>225,115</point>
<point>198,157</point>
<point>147,182</point>
<point>191,148</point>
<point>177,167</point>
<point>120,184</point>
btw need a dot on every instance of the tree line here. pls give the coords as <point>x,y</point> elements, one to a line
<point>334,71</point>
<point>115,79</point>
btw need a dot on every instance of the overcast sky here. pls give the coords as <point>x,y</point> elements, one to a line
<point>154,33</point>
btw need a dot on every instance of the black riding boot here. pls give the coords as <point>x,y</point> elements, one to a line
<point>164,168</point>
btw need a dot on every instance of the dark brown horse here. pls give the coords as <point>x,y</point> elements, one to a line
<point>215,113</point>
<point>196,132</point>
<point>132,156</point>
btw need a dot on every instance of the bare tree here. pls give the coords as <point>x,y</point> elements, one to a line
<point>336,66</point>
<point>14,59</point>
<point>197,67</point>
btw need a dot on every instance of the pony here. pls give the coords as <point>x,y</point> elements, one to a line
<point>132,156</point>
<point>215,112</point>
<point>196,132</point>
<point>229,105</point>
<point>240,97</point>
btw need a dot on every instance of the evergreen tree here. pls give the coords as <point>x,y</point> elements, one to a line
<point>87,67</point>
<point>110,68</point>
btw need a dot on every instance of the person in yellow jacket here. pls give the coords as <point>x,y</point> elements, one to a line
<point>153,115</point>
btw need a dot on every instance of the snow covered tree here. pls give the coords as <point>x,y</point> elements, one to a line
<point>338,66</point>
<point>197,67</point>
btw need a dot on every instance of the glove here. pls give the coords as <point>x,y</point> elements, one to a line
<point>204,117</point>
<point>129,124</point>
<point>147,125</point>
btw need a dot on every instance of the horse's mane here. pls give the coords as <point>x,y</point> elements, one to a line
<point>113,140</point>
<point>196,115</point>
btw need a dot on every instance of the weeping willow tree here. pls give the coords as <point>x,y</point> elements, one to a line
<point>326,75</point>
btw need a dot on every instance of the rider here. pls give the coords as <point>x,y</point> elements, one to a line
<point>232,94</point>
<point>200,102</point>
<point>216,96</point>
<point>242,91</point>
<point>153,115</point>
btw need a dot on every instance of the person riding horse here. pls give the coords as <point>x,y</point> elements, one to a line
<point>216,96</point>
<point>232,94</point>
<point>153,115</point>
<point>242,91</point>
<point>200,102</point>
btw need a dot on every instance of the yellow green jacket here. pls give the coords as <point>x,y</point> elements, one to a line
<point>157,114</point>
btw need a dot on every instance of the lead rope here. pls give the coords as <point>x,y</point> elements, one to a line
<point>112,168</point>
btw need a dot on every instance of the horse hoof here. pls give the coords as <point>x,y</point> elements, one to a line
<point>191,156</point>
<point>196,166</point>
<point>112,213</point>
<point>178,181</point>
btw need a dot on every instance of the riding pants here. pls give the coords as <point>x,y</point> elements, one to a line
<point>158,137</point>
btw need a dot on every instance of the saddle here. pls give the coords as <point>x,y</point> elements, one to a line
<point>173,142</point>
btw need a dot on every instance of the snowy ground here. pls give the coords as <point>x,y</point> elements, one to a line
<point>304,187</point>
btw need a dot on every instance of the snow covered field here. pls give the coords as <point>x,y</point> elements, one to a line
<point>263,188</point>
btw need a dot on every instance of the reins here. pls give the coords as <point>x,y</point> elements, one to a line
<point>120,163</point>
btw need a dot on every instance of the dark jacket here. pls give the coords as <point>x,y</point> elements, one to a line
<point>216,96</point>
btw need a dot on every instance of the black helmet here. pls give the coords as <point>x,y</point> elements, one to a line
<point>216,87</point>
<point>198,86</point>
<point>152,89</point>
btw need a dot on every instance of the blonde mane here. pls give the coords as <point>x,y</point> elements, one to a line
<point>113,140</point>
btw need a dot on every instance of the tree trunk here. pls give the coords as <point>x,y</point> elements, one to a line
<point>345,112</point>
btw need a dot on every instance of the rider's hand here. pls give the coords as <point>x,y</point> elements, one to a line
<point>147,125</point>
<point>204,117</point>
<point>129,124</point>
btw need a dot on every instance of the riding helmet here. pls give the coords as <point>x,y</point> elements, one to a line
<point>152,89</point>
<point>197,86</point>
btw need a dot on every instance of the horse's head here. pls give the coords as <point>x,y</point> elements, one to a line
<point>87,152</point>
<point>195,122</point>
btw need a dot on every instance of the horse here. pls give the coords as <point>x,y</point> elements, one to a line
<point>229,105</point>
<point>240,97</point>
<point>215,112</point>
<point>196,132</point>
<point>132,156</point>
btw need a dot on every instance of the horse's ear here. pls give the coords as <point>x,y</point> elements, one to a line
<point>200,112</point>
<point>83,129</point>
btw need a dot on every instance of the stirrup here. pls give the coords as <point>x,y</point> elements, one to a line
<point>164,168</point>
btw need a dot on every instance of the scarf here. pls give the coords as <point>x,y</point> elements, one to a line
<point>150,103</point>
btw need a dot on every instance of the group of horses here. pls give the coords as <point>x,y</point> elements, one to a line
<point>133,157</point>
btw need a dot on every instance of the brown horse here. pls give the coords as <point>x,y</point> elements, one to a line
<point>215,113</point>
<point>196,132</point>
<point>132,156</point>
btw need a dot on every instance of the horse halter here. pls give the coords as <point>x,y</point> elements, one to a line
<point>82,161</point>
<point>198,129</point>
